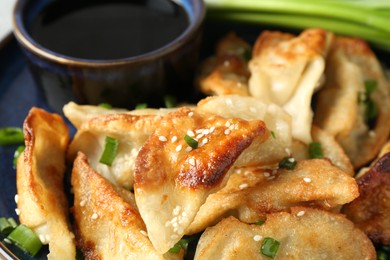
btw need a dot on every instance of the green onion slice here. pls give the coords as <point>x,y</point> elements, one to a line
<point>141,106</point>
<point>11,135</point>
<point>315,150</point>
<point>25,239</point>
<point>191,141</point>
<point>5,226</point>
<point>260,222</point>
<point>17,153</point>
<point>110,150</point>
<point>288,163</point>
<point>170,101</point>
<point>105,105</point>
<point>370,86</point>
<point>182,243</point>
<point>269,247</point>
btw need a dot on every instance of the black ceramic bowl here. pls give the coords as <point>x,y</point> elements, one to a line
<point>121,81</point>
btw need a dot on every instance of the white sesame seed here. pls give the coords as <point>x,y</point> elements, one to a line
<point>206,131</point>
<point>205,141</point>
<point>192,161</point>
<point>229,102</point>
<point>16,198</point>
<point>227,124</point>
<point>300,213</point>
<point>266,174</point>
<point>17,211</point>
<point>227,132</point>
<point>288,151</point>
<point>190,133</point>
<point>307,179</point>
<point>82,203</point>
<point>190,114</point>
<point>199,136</point>
<point>42,239</point>
<point>232,127</point>
<point>184,214</point>
<point>7,241</point>
<point>176,210</point>
<point>162,138</point>
<point>94,216</point>
<point>178,148</point>
<point>291,159</point>
<point>174,139</point>
<point>257,237</point>
<point>188,149</point>
<point>243,186</point>
<point>143,232</point>
<point>212,129</point>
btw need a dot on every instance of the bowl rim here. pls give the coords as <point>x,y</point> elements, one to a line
<point>24,39</point>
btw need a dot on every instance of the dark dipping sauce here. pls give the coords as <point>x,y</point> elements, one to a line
<point>109,29</point>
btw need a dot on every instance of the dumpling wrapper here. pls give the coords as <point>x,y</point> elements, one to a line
<point>106,218</point>
<point>252,192</point>
<point>40,174</point>
<point>350,63</point>
<point>286,70</point>
<point>250,108</point>
<point>172,180</point>
<point>305,233</point>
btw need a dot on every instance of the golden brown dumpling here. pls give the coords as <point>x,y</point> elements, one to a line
<point>251,192</point>
<point>107,222</point>
<point>342,109</point>
<point>173,179</point>
<point>40,174</point>
<point>305,233</point>
<point>286,70</point>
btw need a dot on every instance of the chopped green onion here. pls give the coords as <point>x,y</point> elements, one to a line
<point>247,55</point>
<point>315,150</point>
<point>260,222</point>
<point>273,134</point>
<point>370,86</point>
<point>17,153</point>
<point>5,226</point>
<point>288,163</point>
<point>110,150</point>
<point>105,105</point>
<point>182,243</point>
<point>141,106</point>
<point>11,135</point>
<point>191,142</point>
<point>170,101</point>
<point>25,239</point>
<point>269,247</point>
<point>12,222</point>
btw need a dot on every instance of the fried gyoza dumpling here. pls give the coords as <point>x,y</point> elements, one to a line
<point>251,192</point>
<point>355,113</point>
<point>331,150</point>
<point>130,130</point>
<point>286,70</point>
<point>173,179</point>
<point>39,177</point>
<point>371,210</point>
<point>226,72</point>
<point>305,233</point>
<point>250,108</point>
<point>78,114</point>
<point>107,222</point>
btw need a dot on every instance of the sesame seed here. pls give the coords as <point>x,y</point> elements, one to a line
<point>188,149</point>
<point>199,136</point>
<point>94,216</point>
<point>307,179</point>
<point>190,133</point>
<point>82,203</point>
<point>227,132</point>
<point>205,141</point>
<point>17,211</point>
<point>266,174</point>
<point>243,186</point>
<point>300,213</point>
<point>42,239</point>
<point>7,241</point>
<point>288,151</point>
<point>257,237</point>
<point>143,232</point>
<point>192,161</point>
<point>16,198</point>
<point>179,147</point>
<point>176,210</point>
<point>162,138</point>
<point>174,138</point>
<point>190,114</point>
<point>291,159</point>
<point>212,129</point>
<point>229,102</point>
<point>206,131</point>
<point>227,124</point>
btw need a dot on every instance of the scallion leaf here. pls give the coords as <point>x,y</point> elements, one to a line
<point>5,226</point>
<point>25,239</point>
<point>11,135</point>
<point>315,150</point>
<point>260,222</point>
<point>181,244</point>
<point>170,101</point>
<point>288,163</point>
<point>141,106</point>
<point>269,247</point>
<point>191,141</point>
<point>105,105</point>
<point>110,150</point>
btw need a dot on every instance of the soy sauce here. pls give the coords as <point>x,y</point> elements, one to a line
<point>108,29</point>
